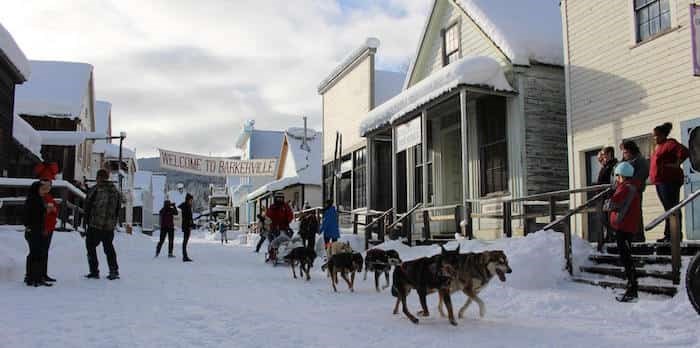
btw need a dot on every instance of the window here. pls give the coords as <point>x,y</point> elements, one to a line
<point>327,181</point>
<point>360,178</point>
<point>450,44</point>
<point>418,174</point>
<point>645,143</point>
<point>652,17</point>
<point>493,146</point>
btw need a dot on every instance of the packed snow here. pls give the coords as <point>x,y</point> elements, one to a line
<point>26,135</point>
<point>525,30</point>
<point>229,298</point>
<point>56,89</point>
<point>14,54</point>
<point>473,71</point>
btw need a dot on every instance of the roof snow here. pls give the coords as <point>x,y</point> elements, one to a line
<point>56,89</point>
<point>369,44</point>
<point>525,30</point>
<point>103,110</point>
<point>387,84</point>
<point>23,132</point>
<point>14,54</point>
<point>112,150</point>
<point>472,71</point>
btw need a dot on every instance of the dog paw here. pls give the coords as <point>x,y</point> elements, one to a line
<point>453,322</point>
<point>414,320</point>
<point>423,314</point>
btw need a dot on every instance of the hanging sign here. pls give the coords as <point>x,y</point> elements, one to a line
<point>695,30</point>
<point>216,166</point>
<point>408,134</point>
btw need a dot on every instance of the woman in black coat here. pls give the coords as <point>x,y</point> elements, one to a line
<point>34,220</point>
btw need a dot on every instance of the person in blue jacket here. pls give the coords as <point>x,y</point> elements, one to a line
<point>329,225</point>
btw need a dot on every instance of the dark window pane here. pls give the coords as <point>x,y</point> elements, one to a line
<point>643,15</point>
<point>654,26</point>
<point>643,32</point>
<point>654,10</point>
<point>665,6</point>
<point>694,147</point>
<point>665,21</point>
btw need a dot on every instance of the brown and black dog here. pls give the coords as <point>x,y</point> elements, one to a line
<point>426,275</point>
<point>344,263</point>
<point>474,272</point>
<point>305,257</point>
<point>380,261</point>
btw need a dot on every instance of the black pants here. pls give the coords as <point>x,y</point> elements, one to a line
<point>263,236</point>
<point>624,246</point>
<point>309,241</point>
<point>92,240</point>
<point>37,257</point>
<point>669,195</point>
<point>185,239</point>
<point>170,232</point>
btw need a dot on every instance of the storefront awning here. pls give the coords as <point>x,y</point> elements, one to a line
<point>483,72</point>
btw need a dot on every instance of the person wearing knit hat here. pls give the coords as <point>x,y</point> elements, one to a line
<point>46,172</point>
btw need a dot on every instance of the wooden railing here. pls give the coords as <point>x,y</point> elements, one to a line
<point>437,214</point>
<point>673,216</point>
<point>379,222</point>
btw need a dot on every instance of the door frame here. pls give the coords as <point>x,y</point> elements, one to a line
<point>690,175</point>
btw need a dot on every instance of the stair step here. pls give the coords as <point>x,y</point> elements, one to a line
<point>651,289</point>
<point>620,273</point>
<point>639,260</point>
<point>687,248</point>
<point>637,249</point>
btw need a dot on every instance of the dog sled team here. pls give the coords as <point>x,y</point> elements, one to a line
<point>445,273</point>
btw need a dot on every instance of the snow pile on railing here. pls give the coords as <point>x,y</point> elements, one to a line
<point>30,138</point>
<point>469,71</point>
<point>9,47</point>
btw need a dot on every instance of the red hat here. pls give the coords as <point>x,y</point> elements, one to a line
<point>46,171</point>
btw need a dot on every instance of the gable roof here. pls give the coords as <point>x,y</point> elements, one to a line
<point>526,31</point>
<point>56,89</point>
<point>14,55</point>
<point>103,111</point>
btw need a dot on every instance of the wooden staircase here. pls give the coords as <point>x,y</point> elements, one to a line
<point>652,261</point>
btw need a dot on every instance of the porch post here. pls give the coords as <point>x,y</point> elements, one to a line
<point>424,153</point>
<point>368,173</point>
<point>394,198</point>
<point>465,154</point>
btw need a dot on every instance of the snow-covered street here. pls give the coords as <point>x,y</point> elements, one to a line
<point>228,297</point>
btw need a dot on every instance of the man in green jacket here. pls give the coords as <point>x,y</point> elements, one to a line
<point>102,211</point>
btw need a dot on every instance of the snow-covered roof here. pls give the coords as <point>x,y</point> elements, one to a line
<point>158,182</point>
<point>280,184</point>
<point>103,110</point>
<point>10,49</point>
<point>56,89</point>
<point>30,138</point>
<point>307,160</point>
<point>469,71</point>
<point>112,150</point>
<point>369,45</point>
<point>525,30</point>
<point>387,84</point>
<point>66,138</point>
<point>25,182</point>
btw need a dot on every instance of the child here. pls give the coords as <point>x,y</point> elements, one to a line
<point>625,212</point>
<point>222,230</point>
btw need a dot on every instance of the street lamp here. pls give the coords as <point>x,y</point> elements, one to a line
<point>122,136</point>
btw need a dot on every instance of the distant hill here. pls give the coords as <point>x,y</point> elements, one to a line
<point>197,185</point>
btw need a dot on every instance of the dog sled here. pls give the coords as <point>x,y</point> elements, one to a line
<point>281,246</point>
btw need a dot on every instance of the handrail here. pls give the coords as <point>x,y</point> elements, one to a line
<point>577,209</point>
<point>668,213</point>
<point>442,207</point>
<point>592,188</point>
<point>379,218</point>
<point>407,214</point>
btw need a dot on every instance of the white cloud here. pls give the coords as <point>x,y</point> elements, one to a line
<point>186,74</point>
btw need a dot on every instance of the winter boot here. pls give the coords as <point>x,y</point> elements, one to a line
<point>186,259</point>
<point>171,255</point>
<point>629,296</point>
<point>92,276</point>
<point>113,276</point>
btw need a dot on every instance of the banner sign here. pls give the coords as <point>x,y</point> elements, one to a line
<point>216,166</point>
<point>408,134</point>
<point>695,30</point>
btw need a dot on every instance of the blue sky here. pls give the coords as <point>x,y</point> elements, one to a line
<point>186,74</point>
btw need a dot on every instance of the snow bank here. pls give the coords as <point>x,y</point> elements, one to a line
<point>525,30</point>
<point>12,257</point>
<point>30,138</point>
<point>537,260</point>
<point>370,43</point>
<point>14,54</point>
<point>473,71</point>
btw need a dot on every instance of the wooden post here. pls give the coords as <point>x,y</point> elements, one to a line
<point>407,229</point>
<point>674,221</point>
<point>552,209</point>
<point>382,230</point>
<point>426,225</point>
<point>458,218</point>
<point>355,220</point>
<point>469,228</point>
<point>507,223</point>
<point>526,222</point>
<point>567,246</point>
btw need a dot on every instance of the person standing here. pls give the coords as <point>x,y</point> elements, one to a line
<point>329,224</point>
<point>187,224</point>
<point>264,223</point>
<point>625,212</point>
<point>102,211</point>
<point>49,225</point>
<point>222,230</point>
<point>607,161</point>
<point>34,223</point>
<point>666,172</point>
<point>632,155</point>
<point>167,227</point>
<point>280,215</point>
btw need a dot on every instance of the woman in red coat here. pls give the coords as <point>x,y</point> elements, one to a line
<point>665,171</point>
<point>49,224</point>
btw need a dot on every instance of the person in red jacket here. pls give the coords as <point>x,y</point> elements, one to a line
<point>665,171</point>
<point>625,214</point>
<point>167,227</point>
<point>281,215</point>
<point>46,172</point>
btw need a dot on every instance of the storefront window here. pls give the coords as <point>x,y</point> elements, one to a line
<point>360,178</point>
<point>493,146</point>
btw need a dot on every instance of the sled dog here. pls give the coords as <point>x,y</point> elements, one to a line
<point>344,263</point>
<point>380,261</point>
<point>304,257</point>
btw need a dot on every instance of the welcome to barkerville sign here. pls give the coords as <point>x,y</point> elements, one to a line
<point>216,166</point>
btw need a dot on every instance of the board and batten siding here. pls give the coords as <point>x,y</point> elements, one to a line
<point>345,104</point>
<point>620,89</point>
<point>473,42</point>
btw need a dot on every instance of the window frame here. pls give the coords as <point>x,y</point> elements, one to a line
<point>458,50</point>
<point>638,39</point>
<point>359,178</point>
<point>484,145</point>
